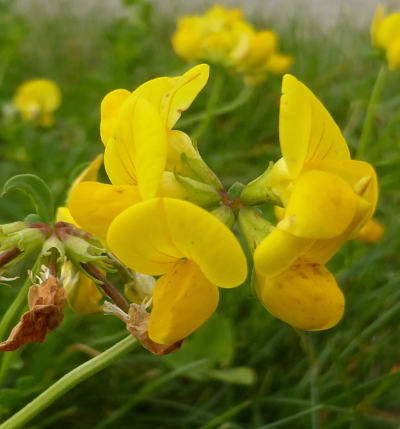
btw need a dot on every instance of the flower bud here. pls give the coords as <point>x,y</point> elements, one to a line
<point>196,168</point>
<point>81,251</point>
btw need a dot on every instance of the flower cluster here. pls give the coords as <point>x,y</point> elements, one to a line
<point>385,34</point>
<point>222,36</point>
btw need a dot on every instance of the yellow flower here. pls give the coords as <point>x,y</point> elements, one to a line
<point>216,36</point>
<point>192,252</point>
<point>327,199</point>
<point>37,99</point>
<point>140,144</point>
<point>385,34</point>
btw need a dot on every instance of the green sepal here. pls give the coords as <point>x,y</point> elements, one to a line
<point>253,226</point>
<point>197,169</point>
<point>260,192</point>
<point>37,191</point>
<point>199,193</point>
<point>225,215</point>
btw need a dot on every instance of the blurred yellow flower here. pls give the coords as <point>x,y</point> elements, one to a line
<point>385,34</point>
<point>327,199</point>
<point>140,144</point>
<point>37,99</point>
<point>192,252</point>
<point>222,36</point>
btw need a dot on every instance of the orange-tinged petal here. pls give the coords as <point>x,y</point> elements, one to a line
<point>371,232</point>
<point>172,96</point>
<point>306,296</point>
<point>322,205</point>
<point>306,129</point>
<point>110,108</point>
<point>278,251</point>
<point>183,300</point>
<point>151,236</point>
<point>94,205</point>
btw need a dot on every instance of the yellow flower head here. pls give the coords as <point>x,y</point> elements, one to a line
<point>140,144</point>
<point>192,252</point>
<point>327,199</point>
<point>37,99</point>
<point>385,34</point>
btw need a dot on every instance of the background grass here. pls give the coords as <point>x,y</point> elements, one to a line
<point>244,369</point>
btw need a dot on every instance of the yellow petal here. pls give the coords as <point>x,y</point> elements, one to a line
<point>322,205</point>
<point>110,108</point>
<point>64,215</point>
<point>179,143</point>
<point>371,232</point>
<point>172,96</point>
<point>389,30</point>
<point>183,300</point>
<point>151,236</point>
<point>279,63</point>
<point>41,92</point>
<point>90,173</point>
<point>139,151</point>
<point>306,129</point>
<point>278,251</point>
<point>393,53</point>
<point>306,296</point>
<point>377,20</point>
<point>94,205</point>
<point>362,178</point>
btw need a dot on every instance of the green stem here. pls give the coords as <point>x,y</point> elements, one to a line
<point>242,98</point>
<point>369,117</point>
<point>70,380</point>
<point>217,421</point>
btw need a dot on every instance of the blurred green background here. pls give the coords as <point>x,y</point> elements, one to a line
<point>243,369</point>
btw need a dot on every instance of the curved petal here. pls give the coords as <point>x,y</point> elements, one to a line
<point>278,251</point>
<point>377,20</point>
<point>322,205</point>
<point>90,173</point>
<point>389,30</point>
<point>110,108</point>
<point>139,151</point>
<point>172,96</point>
<point>306,296</point>
<point>94,205</point>
<point>183,300</point>
<point>306,129</point>
<point>371,232</point>
<point>151,236</point>
<point>179,143</point>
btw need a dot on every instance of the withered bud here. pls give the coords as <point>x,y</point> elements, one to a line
<point>46,302</point>
<point>137,322</point>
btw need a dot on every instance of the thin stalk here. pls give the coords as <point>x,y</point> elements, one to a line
<point>376,95</point>
<point>68,381</point>
<point>241,99</point>
<point>107,286</point>
<point>210,107</point>
<point>225,416</point>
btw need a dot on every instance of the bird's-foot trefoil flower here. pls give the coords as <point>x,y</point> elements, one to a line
<point>37,100</point>
<point>191,251</point>
<point>326,198</point>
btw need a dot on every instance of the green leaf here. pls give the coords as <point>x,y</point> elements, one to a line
<point>37,191</point>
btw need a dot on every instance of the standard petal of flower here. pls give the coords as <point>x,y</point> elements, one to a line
<point>306,296</point>
<point>322,205</point>
<point>377,20</point>
<point>119,166</point>
<point>278,251</point>
<point>172,96</point>
<point>306,129</point>
<point>110,108</point>
<point>140,145</point>
<point>94,205</point>
<point>151,236</point>
<point>389,30</point>
<point>183,300</point>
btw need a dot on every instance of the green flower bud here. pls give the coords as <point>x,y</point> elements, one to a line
<point>253,226</point>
